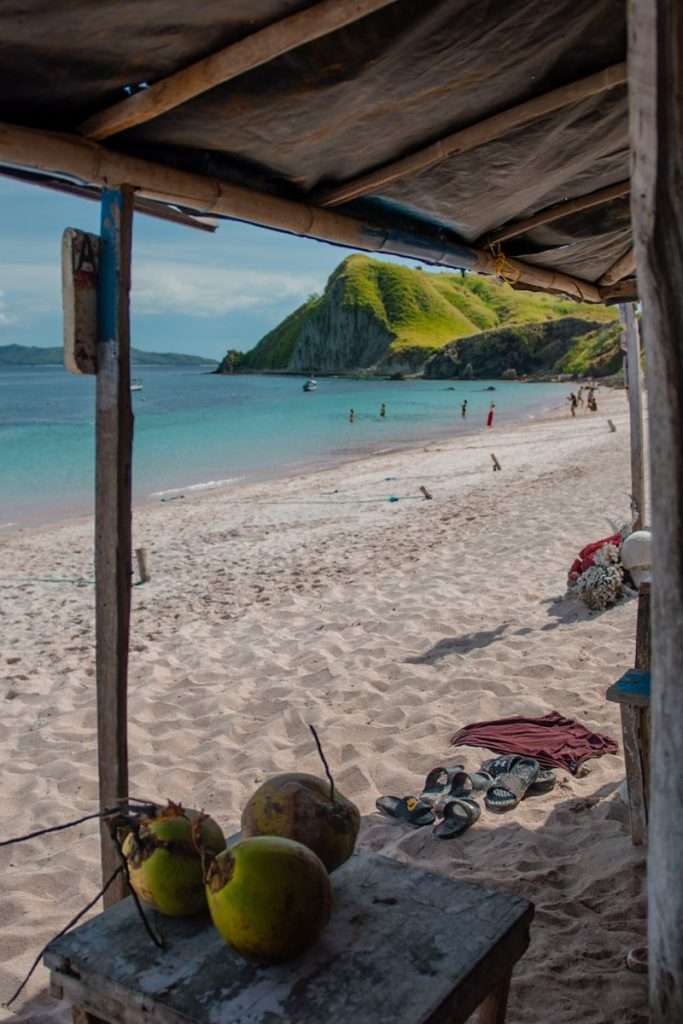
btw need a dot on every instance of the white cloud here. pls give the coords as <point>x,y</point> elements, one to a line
<point>7,319</point>
<point>207,290</point>
<point>179,287</point>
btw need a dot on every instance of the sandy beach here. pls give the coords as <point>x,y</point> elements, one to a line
<point>388,625</point>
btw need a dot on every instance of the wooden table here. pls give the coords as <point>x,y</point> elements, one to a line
<point>403,947</point>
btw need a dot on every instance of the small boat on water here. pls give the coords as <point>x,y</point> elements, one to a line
<point>135,385</point>
<point>310,384</point>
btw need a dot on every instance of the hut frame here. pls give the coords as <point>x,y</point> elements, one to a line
<point>655,79</point>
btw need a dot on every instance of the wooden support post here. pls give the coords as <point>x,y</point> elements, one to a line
<point>635,408</point>
<point>114,445</point>
<point>655,61</point>
<point>494,1008</point>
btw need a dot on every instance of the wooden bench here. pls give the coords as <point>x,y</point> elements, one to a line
<point>403,947</point>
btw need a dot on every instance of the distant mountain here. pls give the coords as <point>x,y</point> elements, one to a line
<point>32,355</point>
<point>382,317</point>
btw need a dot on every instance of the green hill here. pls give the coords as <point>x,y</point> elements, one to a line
<point>33,355</point>
<point>382,316</point>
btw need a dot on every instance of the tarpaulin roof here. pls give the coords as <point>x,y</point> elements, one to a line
<point>329,111</point>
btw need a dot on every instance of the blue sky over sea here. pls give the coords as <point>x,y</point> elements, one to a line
<point>192,291</point>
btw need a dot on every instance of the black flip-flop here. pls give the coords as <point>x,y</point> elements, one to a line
<point>442,783</point>
<point>459,814</point>
<point>407,808</point>
<point>510,787</point>
<point>543,783</point>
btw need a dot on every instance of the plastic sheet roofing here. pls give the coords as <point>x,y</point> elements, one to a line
<point>328,111</point>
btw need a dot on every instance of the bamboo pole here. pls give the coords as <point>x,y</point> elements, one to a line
<point>557,211</point>
<point>624,267</point>
<point>476,135</point>
<point>69,154</point>
<point>635,405</point>
<point>114,449</point>
<point>257,49</point>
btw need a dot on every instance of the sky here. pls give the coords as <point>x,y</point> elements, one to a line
<point>192,292</point>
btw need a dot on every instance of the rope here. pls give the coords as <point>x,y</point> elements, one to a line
<point>505,270</point>
<point>65,929</point>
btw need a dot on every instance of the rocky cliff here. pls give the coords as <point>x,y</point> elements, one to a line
<point>568,345</point>
<point>383,317</point>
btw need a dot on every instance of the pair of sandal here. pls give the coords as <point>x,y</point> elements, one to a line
<point>450,792</point>
<point>445,793</point>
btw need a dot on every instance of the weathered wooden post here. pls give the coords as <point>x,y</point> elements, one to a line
<point>655,61</point>
<point>114,445</point>
<point>635,408</point>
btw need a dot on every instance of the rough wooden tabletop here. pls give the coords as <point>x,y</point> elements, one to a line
<point>403,945</point>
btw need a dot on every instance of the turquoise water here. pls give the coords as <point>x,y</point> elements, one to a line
<point>193,429</point>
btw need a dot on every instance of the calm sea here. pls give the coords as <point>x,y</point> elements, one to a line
<point>193,429</point>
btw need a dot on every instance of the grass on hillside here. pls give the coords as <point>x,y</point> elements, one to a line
<point>421,310</point>
<point>597,353</point>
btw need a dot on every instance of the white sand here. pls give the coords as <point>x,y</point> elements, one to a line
<point>387,625</point>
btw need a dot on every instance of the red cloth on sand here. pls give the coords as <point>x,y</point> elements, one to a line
<point>587,555</point>
<point>554,741</point>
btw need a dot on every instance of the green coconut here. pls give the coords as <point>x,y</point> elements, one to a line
<point>164,863</point>
<point>269,897</point>
<point>301,807</point>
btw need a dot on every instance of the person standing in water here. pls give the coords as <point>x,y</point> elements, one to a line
<point>489,418</point>
<point>352,415</point>
<point>382,410</point>
<point>463,409</point>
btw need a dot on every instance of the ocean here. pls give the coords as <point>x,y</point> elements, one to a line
<point>195,430</point>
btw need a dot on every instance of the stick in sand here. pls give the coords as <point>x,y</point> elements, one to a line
<point>141,559</point>
<point>426,493</point>
<point>496,463</point>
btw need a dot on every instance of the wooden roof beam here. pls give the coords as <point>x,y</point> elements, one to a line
<point>557,212</point>
<point>623,291</point>
<point>624,267</point>
<point>476,135</point>
<point>253,51</point>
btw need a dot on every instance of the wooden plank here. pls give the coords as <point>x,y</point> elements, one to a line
<point>403,946</point>
<point>630,728</point>
<point>257,49</point>
<point>623,267</point>
<point>623,291</point>
<point>557,212</point>
<point>655,48</point>
<point>27,147</point>
<point>643,633</point>
<point>476,135</point>
<point>114,446</point>
<point>635,408</point>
